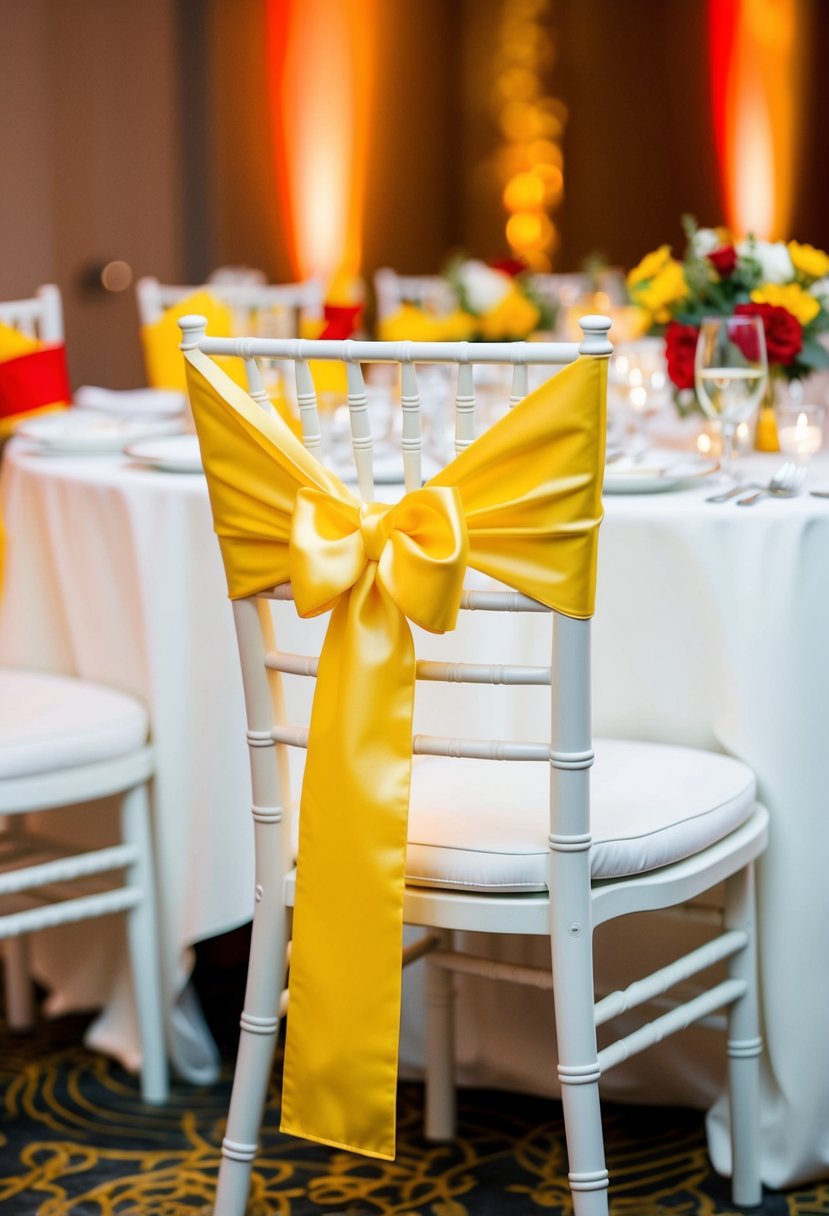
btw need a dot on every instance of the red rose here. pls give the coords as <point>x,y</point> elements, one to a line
<point>784,333</point>
<point>510,266</point>
<point>724,260</point>
<point>680,346</point>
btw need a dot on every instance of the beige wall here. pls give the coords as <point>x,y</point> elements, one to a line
<point>89,153</point>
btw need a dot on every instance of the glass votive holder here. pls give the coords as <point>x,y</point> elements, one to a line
<point>800,426</point>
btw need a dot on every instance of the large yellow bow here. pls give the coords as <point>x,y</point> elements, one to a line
<point>522,503</point>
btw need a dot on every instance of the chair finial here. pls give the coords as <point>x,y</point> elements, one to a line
<point>595,340</point>
<point>193,328</point>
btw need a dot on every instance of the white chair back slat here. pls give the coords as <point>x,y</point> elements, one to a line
<point>412,428</point>
<point>39,317</point>
<point>465,407</point>
<point>306,399</point>
<point>362,443</point>
<point>256,384</point>
<point>520,384</point>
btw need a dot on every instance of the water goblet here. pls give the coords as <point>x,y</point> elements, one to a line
<point>639,375</point>
<point>730,373</point>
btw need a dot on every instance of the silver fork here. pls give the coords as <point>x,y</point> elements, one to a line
<point>786,482</point>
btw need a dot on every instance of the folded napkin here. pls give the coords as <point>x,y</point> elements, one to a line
<point>33,378</point>
<point>131,402</point>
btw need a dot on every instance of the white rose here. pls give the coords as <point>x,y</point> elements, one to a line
<point>820,290</point>
<point>773,256</point>
<point>484,287</point>
<point>705,241</point>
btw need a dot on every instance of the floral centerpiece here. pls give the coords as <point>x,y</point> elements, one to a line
<point>784,283</point>
<point>482,303</point>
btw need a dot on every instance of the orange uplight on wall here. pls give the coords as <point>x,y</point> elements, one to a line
<point>755,49</point>
<point>321,56</point>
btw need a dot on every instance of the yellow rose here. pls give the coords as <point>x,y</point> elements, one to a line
<point>457,326</point>
<point>410,324</point>
<point>811,262</point>
<point>666,288</point>
<point>650,266</point>
<point>512,317</point>
<point>803,307</point>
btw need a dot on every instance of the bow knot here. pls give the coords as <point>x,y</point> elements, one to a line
<point>374,528</point>
<point>418,550</point>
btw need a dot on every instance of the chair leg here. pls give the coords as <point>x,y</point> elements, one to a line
<point>20,1002</point>
<point>142,934</point>
<point>578,1066</point>
<point>744,1046</point>
<point>259,1023</point>
<point>440,1117</point>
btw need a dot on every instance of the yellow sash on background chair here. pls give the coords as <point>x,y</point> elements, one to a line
<point>163,360</point>
<point>523,504</point>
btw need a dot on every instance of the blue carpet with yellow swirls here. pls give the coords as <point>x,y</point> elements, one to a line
<point>75,1140</point>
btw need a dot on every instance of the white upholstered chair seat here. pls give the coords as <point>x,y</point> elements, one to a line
<point>50,722</point>
<point>651,804</point>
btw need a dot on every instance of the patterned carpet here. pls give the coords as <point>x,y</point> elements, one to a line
<point>75,1140</point>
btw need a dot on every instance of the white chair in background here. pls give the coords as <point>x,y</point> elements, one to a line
<point>65,741</point>
<point>506,836</point>
<point>39,317</point>
<point>256,307</point>
<point>393,290</point>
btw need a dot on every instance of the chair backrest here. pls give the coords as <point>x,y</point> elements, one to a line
<point>262,661</point>
<point>428,291</point>
<point>266,309</point>
<point>40,317</point>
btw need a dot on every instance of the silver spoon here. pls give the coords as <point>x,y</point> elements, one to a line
<point>786,482</point>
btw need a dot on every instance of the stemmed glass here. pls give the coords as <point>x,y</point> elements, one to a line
<point>730,372</point>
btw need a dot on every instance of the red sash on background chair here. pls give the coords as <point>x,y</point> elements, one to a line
<point>33,378</point>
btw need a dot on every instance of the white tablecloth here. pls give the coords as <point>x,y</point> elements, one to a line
<point>710,630</point>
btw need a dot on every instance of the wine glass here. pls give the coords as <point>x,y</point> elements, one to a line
<point>730,372</point>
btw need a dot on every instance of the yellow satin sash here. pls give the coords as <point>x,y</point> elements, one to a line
<point>522,503</point>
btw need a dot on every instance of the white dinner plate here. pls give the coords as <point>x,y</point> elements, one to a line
<point>656,472</point>
<point>170,453</point>
<point>78,431</point>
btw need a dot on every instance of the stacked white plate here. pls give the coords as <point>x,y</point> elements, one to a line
<point>83,432</point>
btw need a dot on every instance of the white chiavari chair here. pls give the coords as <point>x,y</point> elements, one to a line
<point>507,835</point>
<point>393,290</point>
<point>268,309</point>
<point>66,742</point>
<point>40,316</point>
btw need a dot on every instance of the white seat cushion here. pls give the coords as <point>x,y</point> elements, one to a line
<point>50,722</point>
<point>483,825</point>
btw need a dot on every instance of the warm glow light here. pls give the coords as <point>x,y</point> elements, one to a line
<point>756,78</point>
<point>532,123</point>
<point>321,59</point>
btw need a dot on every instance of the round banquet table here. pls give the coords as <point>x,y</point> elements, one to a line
<point>709,631</point>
